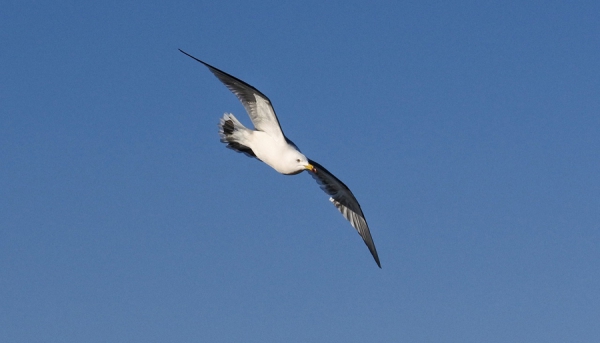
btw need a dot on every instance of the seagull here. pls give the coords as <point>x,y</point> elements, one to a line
<point>268,144</point>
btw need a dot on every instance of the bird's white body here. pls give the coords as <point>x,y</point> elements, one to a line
<point>269,147</point>
<point>280,156</point>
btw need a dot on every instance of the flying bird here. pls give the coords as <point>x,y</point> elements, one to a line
<point>268,144</point>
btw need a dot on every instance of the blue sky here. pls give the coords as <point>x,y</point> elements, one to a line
<point>468,132</point>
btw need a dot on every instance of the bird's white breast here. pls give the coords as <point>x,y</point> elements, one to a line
<point>273,152</point>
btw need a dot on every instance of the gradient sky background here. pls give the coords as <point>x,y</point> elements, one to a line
<point>468,132</point>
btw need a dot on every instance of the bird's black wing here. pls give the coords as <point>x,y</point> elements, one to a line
<point>257,104</point>
<point>346,203</point>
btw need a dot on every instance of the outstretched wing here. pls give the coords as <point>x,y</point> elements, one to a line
<point>346,203</point>
<point>257,104</point>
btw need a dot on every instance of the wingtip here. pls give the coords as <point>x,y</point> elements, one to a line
<point>372,249</point>
<point>374,254</point>
<point>185,53</point>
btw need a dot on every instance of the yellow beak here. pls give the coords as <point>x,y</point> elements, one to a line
<point>310,167</point>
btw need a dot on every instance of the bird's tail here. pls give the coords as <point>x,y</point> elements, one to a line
<point>235,134</point>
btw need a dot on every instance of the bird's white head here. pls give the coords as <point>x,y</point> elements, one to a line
<point>299,161</point>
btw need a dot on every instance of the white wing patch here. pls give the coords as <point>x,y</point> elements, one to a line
<point>265,118</point>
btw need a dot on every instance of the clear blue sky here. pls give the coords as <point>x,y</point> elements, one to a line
<point>470,134</point>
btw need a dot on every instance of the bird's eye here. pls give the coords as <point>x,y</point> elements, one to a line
<point>298,160</point>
